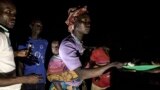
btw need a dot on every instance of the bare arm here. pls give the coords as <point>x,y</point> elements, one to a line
<point>21,53</point>
<point>91,73</point>
<point>32,79</point>
<point>10,81</point>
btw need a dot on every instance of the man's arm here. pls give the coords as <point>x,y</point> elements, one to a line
<point>10,78</point>
<point>21,53</point>
<point>10,81</point>
<point>32,79</point>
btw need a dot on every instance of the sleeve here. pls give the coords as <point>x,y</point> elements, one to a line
<point>68,53</point>
<point>22,47</point>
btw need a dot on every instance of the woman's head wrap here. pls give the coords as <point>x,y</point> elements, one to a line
<point>72,13</point>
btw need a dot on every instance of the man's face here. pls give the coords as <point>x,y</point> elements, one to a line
<point>55,47</point>
<point>83,25</point>
<point>37,27</point>
<point>7,15</point>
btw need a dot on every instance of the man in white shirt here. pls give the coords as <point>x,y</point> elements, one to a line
<point>8,78</point>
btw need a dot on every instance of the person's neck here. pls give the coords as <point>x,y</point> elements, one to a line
<point>34,36</point>
<point>78,35</point>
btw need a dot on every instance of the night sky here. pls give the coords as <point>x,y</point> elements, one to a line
<point>128,27</point>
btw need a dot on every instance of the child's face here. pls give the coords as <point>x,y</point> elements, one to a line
<point>55,47</point>
<point>37,27</point>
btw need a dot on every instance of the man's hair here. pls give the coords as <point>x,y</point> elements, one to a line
<point>3,2</point>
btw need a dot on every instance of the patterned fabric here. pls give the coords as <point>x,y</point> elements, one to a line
<point>66,76</point>
<point>56,65</point>
<point>74,12</point>
<point>101,57</point>
<point>64,87</point>
<point>57,71</point>
<point>52,87</point>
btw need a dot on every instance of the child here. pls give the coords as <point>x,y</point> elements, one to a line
<point>57,70</point>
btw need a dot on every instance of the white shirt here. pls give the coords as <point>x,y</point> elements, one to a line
<point>7,62</point>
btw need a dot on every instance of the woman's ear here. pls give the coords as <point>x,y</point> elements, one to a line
<point>70,28</point>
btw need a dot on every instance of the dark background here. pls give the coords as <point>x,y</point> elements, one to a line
<point>129,28</point>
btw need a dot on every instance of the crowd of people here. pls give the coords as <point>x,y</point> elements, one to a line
<point>67,69</point>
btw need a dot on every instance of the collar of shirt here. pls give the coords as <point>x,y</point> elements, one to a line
<point>76,39</point>
<point>5,29</point>
<point>81,48</point>
<point>56,56</point>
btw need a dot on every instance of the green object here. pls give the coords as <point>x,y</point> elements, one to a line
<point>141,67</point>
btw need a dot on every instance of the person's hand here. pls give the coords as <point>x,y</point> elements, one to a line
<point>116,64</point>
<point>31,60</point>
<point>32,79</point>
<point>21,53</point>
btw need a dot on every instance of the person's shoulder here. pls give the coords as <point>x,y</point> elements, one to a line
<point>1,33</point>
<point>68,39</point>
<point>45,40</point>
<point>67,45</point>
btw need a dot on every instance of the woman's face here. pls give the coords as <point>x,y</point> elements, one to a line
<point>83,25</point>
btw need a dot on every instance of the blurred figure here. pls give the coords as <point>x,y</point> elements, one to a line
<point>8,78</point>
<point>35,63</point>
<point>100,57</point>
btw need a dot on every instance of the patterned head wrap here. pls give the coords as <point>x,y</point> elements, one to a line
<point>72,13</point>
